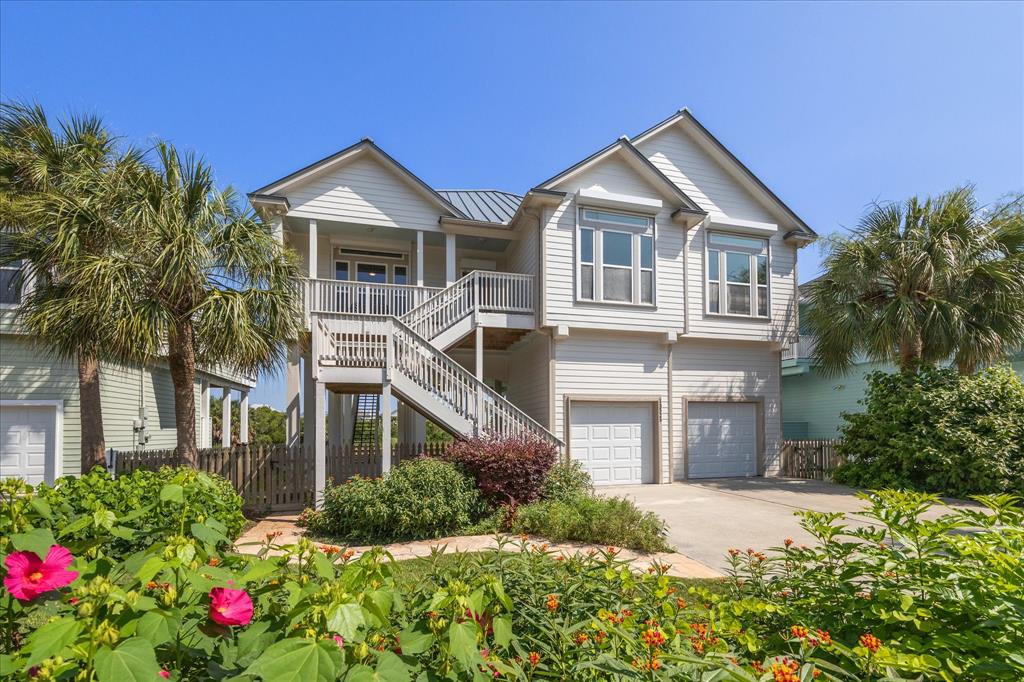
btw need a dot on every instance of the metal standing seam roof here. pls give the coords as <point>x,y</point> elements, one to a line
<point>487,205</point>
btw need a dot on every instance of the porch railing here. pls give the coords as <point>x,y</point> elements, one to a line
<point>363,298</point>
<point>497,292</point>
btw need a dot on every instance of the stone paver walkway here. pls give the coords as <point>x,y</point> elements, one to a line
<point>680,565</point>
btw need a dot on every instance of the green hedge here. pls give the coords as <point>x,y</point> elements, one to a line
<point>937,431</point>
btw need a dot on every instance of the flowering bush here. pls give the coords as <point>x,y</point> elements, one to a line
<point>183,610</point>
<point>567,481</point>
<point>147,498</point>
<point>508,471</point>
<point>599,520</point>
<point>947,591</point>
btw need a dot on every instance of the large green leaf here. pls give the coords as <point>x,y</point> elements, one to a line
<point>150,569</point>
<point>299,660</point>
<point>172,492</point>
<point>38,540</point>
<point>462,641</point>
<point>132,661</point>
<point>415,641</point>
<point>203,532</point>
<point>502,630</point>
<point>390,668</point>
<point>49,639</point>
<point>158,626</point>
<point>346,619</point>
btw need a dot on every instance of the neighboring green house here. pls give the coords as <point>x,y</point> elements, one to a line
<point>39,413</point>
<point>813,404</point>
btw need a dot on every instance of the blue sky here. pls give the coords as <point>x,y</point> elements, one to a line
<point>832,105</point>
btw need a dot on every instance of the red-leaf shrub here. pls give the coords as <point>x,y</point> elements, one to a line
<point>507,470</point>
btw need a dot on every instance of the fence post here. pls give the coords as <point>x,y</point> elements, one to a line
<point>112,462</point>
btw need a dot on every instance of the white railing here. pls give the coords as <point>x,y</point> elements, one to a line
<point>363,298</point>
<point>387,342</point>
<point>803,347</point>
<point>498,292</point>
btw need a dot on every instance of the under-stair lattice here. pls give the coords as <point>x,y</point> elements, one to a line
<point>366,427</point>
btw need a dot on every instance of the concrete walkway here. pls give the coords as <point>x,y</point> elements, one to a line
<point>680,565</point>
<point>705,519</point>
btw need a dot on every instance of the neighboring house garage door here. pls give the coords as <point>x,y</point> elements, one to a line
<point>614,441</point>
<point>722,439</point>
<point>28,442</point>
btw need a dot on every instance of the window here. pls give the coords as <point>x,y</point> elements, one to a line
<point>341,270</point>
<point>401,275</point>
<point>10,284</point>
<point>373,273</point>
<point>615,257</point>
<point>737,275</point>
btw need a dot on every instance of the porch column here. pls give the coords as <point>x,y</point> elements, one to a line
<point>315,431</point>
<point>277,228</point>
<point>479,333</point>
<point>449,259</point>
<point>243,419</point>
<point>334,419</point>
<point>385,423</point>
<point>419,258</point>
<point>412,426</point>
<point>225,419</point>
<point>312,249</point>
<point>309,402</point>
<point>348,416</point>
<point>292,404</point>
<point>204,414</point>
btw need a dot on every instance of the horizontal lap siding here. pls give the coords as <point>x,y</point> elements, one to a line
<point>27,373</point>
<point>363,191</point>
<point>560,234</point>
<point>612,365</point>
<point>529,375</point>
<point>521,255</point>
<point>716,370</point>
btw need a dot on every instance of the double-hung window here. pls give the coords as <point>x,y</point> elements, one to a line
<point>10,279</point>
<point>615,257</point>
<point>737,275</point>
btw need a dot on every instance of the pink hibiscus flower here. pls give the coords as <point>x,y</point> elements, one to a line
<point>230,607</point>
<point>28,576</point>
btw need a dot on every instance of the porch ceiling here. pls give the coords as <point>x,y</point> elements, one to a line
<point>391,235</point>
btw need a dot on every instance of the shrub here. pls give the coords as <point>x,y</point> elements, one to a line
<point>946,591</point>
<point>159,503</point>
<point>599,520</point>
<point>937,431</point>
<point>421,498</point>
<point>507,470</point>
<point>566,481</point>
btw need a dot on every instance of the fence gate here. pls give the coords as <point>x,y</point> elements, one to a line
<point>275,478</point>
<point>813,459</point>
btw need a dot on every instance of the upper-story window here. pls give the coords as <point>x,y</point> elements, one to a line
<point>615,257</point>
<point>10,284</point>
<point>737,275</point>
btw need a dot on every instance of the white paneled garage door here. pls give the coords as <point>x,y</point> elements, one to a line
<point>722,439</point>
<point>614,441</point>
<point>28,442</point>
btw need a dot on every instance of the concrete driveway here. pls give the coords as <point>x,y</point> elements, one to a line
<point>705,519</point>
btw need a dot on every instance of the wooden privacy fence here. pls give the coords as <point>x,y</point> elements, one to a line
<point>814,459</point>
<point>276,477</point>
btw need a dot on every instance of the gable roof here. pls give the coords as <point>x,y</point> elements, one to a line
<point>684,115</point>
<point>366,145</point>
<point>484,205</point>
<point>638,160</point>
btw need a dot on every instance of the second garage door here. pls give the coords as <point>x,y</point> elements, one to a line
<point>614,441</point>
<point>721,439</point>
<point>28,436</point>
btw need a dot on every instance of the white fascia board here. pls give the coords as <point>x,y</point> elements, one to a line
<point>597,197</point>
<point>737,225</point>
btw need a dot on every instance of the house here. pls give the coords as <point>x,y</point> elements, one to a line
<point>630,309</point>
<point>813,403</point>
<point>40,434</point>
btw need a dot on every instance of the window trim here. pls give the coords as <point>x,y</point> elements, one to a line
<point>355,271</point>
<point>722,281</point>
<point>348,267</point>
<point>22,287</point>
<point>597,228</point>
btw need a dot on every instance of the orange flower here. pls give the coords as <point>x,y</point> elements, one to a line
<point>560,557</point>
<point>600,636</point>
<point>273,536</point>
<point>534,658</point>
<point>870,642</point>
<point>348,554</point>
<point>757,666</point>
<point>798,631</point>
<point>680,603</point>
<point>214,561</point>
<point>552,602</point>
<point>733,552</point>
<point>581,638</point>
<point>782,673</point>
<point>788,542</point>
<point>815,673</point>
<point>824,636</point>
<point>151,585</point>
<point>646,665</point>
<point>329,550</point>
<point>653,637</point>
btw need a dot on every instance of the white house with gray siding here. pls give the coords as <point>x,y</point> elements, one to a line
<point>40,434</point>
<point>631,309</point>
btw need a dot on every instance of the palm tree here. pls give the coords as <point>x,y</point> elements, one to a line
<point>63,197</point>
<point>221,289</point>
<point>920,283</point>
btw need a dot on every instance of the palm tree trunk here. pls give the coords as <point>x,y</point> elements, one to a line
<point>182,360</point>
<point>90,409</point>
<point>911,351</point>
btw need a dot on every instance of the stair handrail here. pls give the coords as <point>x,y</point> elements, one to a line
<point>420,317</point>
<point>471,294</point>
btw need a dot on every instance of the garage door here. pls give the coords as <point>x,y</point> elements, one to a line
<point>28,437</point>
<point>614,441</point>
<point>722,439</point>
